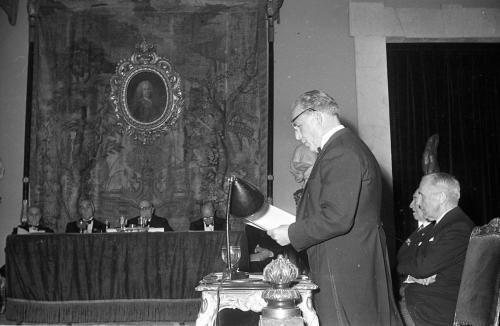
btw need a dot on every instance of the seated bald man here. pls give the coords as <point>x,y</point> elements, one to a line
<point>208,220</point>
<point>34,223</point>
<point>147,213</point>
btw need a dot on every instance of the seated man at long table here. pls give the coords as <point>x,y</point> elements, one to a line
<point>149,218</point>
<point>208,221</point>
<point>87,223</point>
<point>33,224</point>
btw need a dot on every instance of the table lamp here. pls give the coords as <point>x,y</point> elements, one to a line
<point>243,200</point>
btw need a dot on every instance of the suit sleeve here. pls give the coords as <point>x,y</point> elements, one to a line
<point>193,226</point>
<point>333,214</point>
<point>258,237</point>
<point>441,251</point>
<point>100,226</point>
<point>131,221</point>
<point>167,226</point>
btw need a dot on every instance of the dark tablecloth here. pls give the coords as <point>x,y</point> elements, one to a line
<point>62,278</point>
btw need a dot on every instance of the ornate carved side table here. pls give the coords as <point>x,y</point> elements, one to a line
<point>246,295</point>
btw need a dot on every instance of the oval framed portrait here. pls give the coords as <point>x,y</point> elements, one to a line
<point>146,94</point>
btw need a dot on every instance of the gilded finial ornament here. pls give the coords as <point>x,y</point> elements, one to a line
<point>280,272</point>
<point>281,298</point>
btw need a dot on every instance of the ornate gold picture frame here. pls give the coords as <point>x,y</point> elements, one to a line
<point>146,94</point>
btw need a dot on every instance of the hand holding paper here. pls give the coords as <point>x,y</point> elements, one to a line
<point>270,219</point>
<point>275,221</point>
<point>280,234</point>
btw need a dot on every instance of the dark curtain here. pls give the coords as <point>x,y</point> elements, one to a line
<point>452,90</point>
<point>219,49</point>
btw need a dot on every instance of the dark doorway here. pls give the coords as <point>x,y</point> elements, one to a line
<point>452,89</point>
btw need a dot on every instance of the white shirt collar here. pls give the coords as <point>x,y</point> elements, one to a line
<point>90,225</point>
<point>423,224</point>
<point>329,134</point>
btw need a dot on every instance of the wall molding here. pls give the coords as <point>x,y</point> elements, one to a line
<point>372,25</point>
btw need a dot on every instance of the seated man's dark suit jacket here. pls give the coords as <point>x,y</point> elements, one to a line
<point>219,225</point>
<point>408,249</point>
<point>442,253</point>
<point>155,222</point>
<point>259,237</point>
<point>97,227</point>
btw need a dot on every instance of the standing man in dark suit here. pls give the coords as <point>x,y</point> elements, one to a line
<point>208,220</point>
<point>87,223</point>
<point>338,220</point>
<point>147,213</point>
<point>436,268</point>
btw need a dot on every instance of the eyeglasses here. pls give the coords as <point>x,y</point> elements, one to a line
<point>145,208</point>
<point>298,115</point>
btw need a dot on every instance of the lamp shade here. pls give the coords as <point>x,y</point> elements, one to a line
<point>246,199</point>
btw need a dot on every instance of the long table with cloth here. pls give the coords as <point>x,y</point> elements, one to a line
<point>137,276</point>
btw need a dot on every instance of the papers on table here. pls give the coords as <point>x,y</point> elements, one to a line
<point>150,229</point>
<point>270,219</point>
<point>31,230</point>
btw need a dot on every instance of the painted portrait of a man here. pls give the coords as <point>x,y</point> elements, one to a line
<point>146,97</point>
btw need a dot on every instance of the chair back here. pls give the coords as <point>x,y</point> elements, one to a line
<point>478,301</point>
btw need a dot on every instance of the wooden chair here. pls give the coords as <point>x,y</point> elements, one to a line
<point>478,301</point>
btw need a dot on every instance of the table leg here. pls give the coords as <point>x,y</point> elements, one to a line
<point>308,312</point>
<point>208,309</point>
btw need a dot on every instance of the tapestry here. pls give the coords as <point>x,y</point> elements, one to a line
<point>219,50</point>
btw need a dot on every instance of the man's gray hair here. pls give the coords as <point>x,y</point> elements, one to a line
<point>82,199</point>
<point>317,100</point>
<point>449,183</point>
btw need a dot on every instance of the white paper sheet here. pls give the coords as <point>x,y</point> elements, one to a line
<point>271,219</point>
<point>156,229</point>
